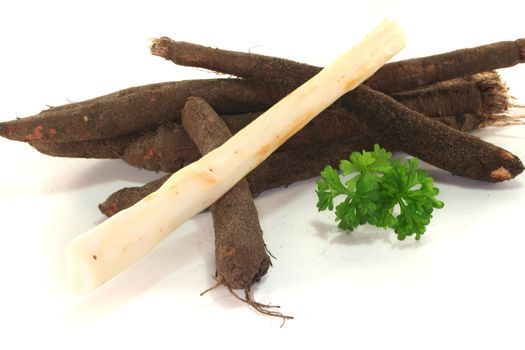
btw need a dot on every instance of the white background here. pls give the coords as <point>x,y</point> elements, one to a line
<point>461,286</point>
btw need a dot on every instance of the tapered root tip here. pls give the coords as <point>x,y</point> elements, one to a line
<point>18,130</point>
<point>494,93</point>
<point>161,47</point>
<point>511,166</point>
<point>108,208</point>
<point>4,129</point>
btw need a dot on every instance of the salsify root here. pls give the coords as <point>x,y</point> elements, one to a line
<point>240,251</point>
<point>392,77</point>
<point>169,148</point>
<point>408,74</point>
<point>283,168</point>
<point>483,96</point>
<point>136,109</point>
<point>280,169</point>
<point>108,148</point>
<point>405,129</point>
<point>114,245</point>
<point>142,107</point>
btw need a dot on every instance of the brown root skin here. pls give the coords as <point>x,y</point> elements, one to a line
<point>521,44</point>
<point>280,169</point>
<point>128,196</point>
<point>465,122</point>
<point>326,128</point>
<point>460,97</point>
<point>143,108</point>
<point>169,149</point>
<point>494,93</point>
<point>136,109</point>
<point>240,251</point>
<point>403,128</point>
<point>287,167</point>
<point>457,152</point>
<point>483,94</point>
<point>110,148</point>
<point>192,55</point>
<point>392,77</point>
<point>408,74</point>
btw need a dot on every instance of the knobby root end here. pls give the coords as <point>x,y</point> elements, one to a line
<point>160,47</point>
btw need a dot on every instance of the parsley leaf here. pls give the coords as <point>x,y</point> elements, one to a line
<point>378,188</point>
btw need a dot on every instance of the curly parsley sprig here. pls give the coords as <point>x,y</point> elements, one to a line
<point>379,188</point>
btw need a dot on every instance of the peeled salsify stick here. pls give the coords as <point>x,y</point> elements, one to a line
<point>109,248</point>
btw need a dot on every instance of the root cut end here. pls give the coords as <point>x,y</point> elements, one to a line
<point>160,47</point>
<point>501,174</point>
<point>521,45</point>
<point>108,208</point>
<point>494,93</point>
